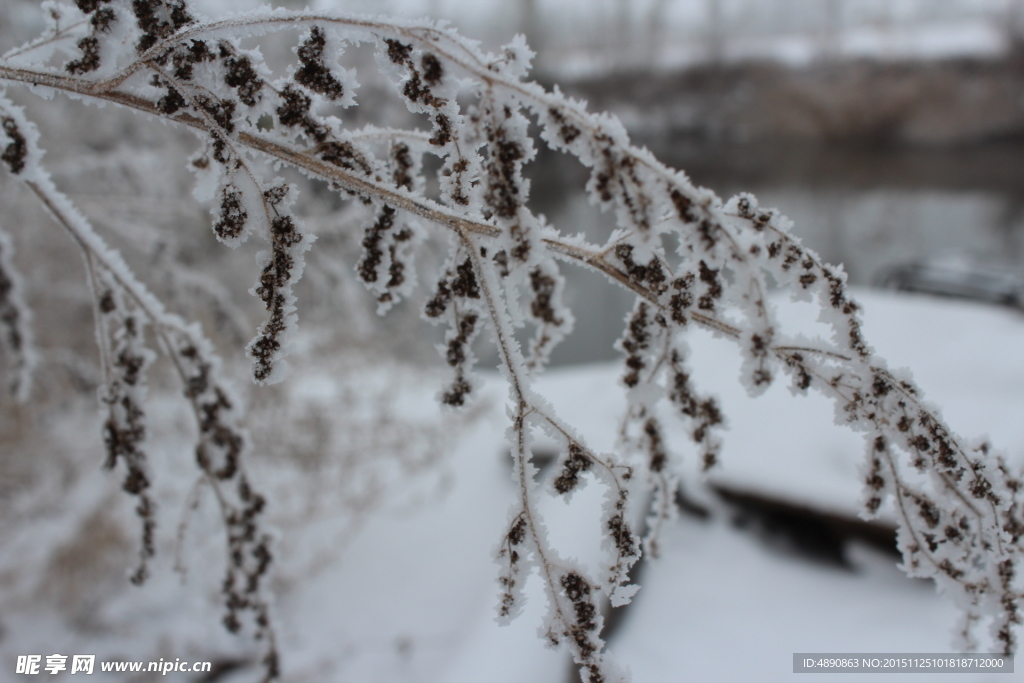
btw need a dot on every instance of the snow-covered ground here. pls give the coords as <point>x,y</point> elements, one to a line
<point>407,592</point>
<point>413,597</point>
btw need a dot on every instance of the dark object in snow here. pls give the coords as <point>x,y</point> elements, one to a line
<point>543,458</point>
<point>222,669</point>
<point>958,280</point>
<point>814,534</point>
<point>690,506</point>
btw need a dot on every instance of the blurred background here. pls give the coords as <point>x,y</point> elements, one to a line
<point>890,131</point>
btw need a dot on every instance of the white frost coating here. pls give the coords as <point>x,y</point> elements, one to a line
<point>517,58</point>
<point>516,552</point>
<point>282,267</point>
<point>956,507</point>
<point>208,180</point>
<point>573,615</point>
<point>43,48</point>
<point>125,310</point>
<point>39,180</point>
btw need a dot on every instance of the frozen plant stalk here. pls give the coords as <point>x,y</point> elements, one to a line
<point>959,524</point>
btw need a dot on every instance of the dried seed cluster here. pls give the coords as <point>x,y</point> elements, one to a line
<point>158,19</point>
<point>101,19</point>
<point>652,274</point>
<point>582,631</point>
<point>281,270</point>
<point>124,430</point>
<point>233,215</point>
<point>16,150</point>
<point>636,341</point>
<point>184,57</point>
<point>90,59</point>
<point>386,266</point>
<point>457,296</point>
<point>294,110</point>
<point>511,578</point>
<point>220,454</point>
<point>240,75</point>
<point>552,319</point>
<point>373,255</point>
<point>417,86</point>
<point>504,183</point>
<point>702,412</point>
<point>314,72</point>
<point>577,463</point>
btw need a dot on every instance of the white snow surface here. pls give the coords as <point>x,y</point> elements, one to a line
<point>413,598</point>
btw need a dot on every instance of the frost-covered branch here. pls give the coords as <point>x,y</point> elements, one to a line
<point>690,259</point>
<point>124,309</point>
